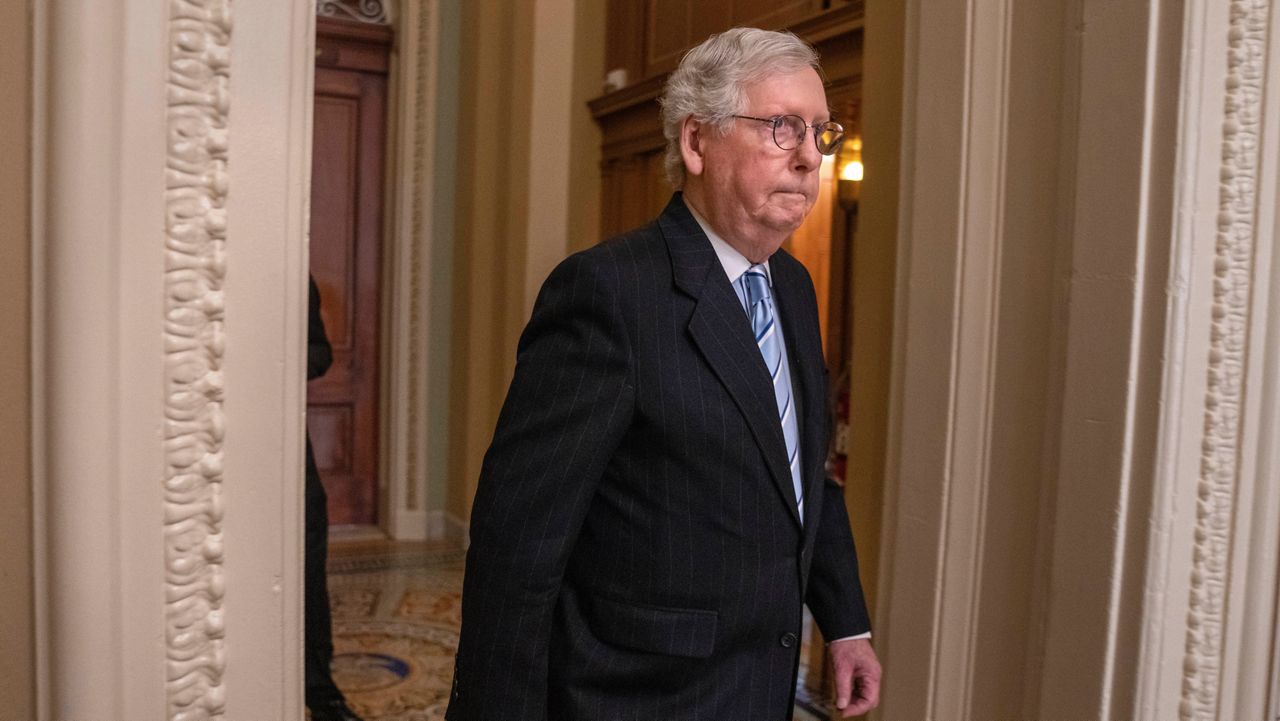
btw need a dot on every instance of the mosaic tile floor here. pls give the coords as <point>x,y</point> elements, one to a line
<point>396,613</point>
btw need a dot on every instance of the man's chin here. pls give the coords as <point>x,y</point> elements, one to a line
<point>786,223</point>
<point>790,212</point>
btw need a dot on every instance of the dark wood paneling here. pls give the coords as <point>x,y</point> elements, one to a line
<point>629,118</point>
<point>635,192</point>
<point>773,14</point>
<point>351,45</point>
<point>648,37</point>
<point>625,37</point>
<point>346,238</point>
<point>667,33</point>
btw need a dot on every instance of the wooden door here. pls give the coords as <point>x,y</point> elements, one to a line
<point>346,236</point>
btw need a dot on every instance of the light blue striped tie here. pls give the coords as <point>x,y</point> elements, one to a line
<point>755,285</point>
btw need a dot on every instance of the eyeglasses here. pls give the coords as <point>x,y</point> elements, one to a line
<point>788,130</point>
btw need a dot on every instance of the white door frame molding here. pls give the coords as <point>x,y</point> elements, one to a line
<point>950,315</point>
<point>1208,634</point>
<point>410,400</point>
<point>1153,592</point>
<point>169,324</point>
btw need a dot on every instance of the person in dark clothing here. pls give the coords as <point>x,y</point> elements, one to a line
<point>323,698</point>
<point>652,514</point>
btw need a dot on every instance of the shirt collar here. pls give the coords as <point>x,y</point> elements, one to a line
<point>733,262</point>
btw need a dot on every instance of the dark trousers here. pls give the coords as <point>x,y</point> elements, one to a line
<point>317,629</point>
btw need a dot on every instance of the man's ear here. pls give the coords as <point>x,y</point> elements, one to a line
<point>692,144</point>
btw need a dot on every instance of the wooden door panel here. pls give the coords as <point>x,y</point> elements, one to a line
<point>655,180</point>
<point>674,26</point>
<point>333,230</point>
<point>772,14</point>
<point>332,423</point>
<point>667,34</point>
<point>346,237</point>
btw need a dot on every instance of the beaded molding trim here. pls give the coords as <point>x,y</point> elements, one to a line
<point>1233,269</point>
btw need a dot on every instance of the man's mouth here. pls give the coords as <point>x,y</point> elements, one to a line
<point>792,192</point>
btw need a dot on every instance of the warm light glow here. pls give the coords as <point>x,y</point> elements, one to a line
<point>852,171</point>
<point>850,162</point>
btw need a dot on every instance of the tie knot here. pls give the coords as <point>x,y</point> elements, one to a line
<point>756,283</point>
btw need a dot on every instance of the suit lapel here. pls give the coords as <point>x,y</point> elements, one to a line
<point>804,351</point>
<point>722,332</point>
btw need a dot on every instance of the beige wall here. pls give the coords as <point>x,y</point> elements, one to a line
<point>524,167</point>
<point>874,257</point>
<point>584,159</point>
<point>17,662</point>
<point>493,108</point>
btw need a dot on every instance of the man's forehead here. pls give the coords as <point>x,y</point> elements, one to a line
<point>778,81</point>
<point>785,92</point>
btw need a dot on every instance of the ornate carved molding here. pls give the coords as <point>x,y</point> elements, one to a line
<point>376,12</point>
<point>417,324</point>
<point>195,243</point>
<point>1233,269</point>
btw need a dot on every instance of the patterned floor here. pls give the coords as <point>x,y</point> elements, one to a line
<point>396,613</point>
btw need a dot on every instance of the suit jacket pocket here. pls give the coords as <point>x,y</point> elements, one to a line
<point>687,632</point>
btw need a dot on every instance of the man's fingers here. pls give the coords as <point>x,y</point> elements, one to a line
<point>857,676</point>
<point>844,688</point>
<point>857,708</point>
<point>865,698</point>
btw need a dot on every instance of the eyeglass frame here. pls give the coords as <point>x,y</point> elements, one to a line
<point>775,123</point>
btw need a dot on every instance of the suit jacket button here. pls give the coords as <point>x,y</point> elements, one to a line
<point>788,640</point>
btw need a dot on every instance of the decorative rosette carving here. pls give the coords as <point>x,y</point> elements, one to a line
<point>366,11</point>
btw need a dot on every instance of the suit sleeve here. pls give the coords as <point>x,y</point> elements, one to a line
<point>835,591</point>
<point>569,403</point>
<point>319,352</point>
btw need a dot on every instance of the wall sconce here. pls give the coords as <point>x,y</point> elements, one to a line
<point>849,167</point>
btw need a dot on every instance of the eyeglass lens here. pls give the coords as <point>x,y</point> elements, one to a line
<point>788,130</point>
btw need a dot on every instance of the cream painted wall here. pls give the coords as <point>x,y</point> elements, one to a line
<point>520,182</point>
<point>489,228</point>
<point>585,138</point>
<point>874,257</point>
<point>17,613</point>
<point>551,114</point>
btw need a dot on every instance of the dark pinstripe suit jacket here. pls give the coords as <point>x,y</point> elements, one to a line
<point>636,552</point>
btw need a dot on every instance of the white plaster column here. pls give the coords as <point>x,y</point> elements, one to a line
<point>408,274</point>
<point>173,164</point>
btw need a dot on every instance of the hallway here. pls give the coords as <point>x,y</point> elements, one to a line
<point>1065,336</point>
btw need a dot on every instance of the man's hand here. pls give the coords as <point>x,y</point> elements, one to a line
<point>857,672</point>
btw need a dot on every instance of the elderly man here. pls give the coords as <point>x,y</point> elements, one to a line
<point>653,510</point>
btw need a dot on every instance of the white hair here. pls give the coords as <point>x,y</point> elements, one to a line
<point>711,82</point>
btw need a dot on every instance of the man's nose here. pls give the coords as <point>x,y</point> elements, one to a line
<point>806,157</point>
